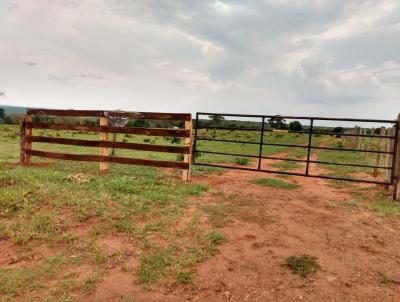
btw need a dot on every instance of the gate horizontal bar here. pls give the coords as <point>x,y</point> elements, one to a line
<point>124,130</point>
<point>304,117</point>
<point>226,141</point>
<point>109,159</point>
<point>298,132</point>
<point>296,174</point>
<point>107,144</point>
<point>350,165</point>
<point>294,160</point>
<point>354,150</point>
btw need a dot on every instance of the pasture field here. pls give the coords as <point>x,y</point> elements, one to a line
<point>68,233</point>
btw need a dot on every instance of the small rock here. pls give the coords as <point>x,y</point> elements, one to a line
<point>331,278</point>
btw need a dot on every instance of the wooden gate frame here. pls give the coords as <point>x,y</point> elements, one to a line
<point>27,138</point>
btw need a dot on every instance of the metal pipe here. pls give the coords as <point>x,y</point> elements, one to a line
<point>309,145</point>
<point>303,117</point>
<point>261,143</point>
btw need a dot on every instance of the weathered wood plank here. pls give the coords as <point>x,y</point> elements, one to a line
<point>104,113</point>
<point>104,138</point>
<point>22,130</point>
<point>110,159</point>
<point>125,130</point>
<point>27,145</point>
<point>108,144</point>
<point>59,112</point>
<point>187,158</point>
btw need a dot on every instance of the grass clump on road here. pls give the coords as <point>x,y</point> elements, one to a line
<point>303,265</point>
<point>276,183</point>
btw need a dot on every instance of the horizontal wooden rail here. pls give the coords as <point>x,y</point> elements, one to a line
<point>124,130</point>
<point>110,159</point>
<point>108,144</point>
<point>105,113</point>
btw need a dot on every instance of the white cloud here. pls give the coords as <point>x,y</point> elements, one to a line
<point>299,57</point>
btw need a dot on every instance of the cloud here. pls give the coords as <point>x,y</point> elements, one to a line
<point>326,57</point>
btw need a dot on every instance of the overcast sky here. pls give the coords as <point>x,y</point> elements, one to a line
<point>304,57</point>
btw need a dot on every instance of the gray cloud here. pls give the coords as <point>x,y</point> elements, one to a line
<point>329,57</point>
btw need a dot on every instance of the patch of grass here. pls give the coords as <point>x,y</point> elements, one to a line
<point>91,282</point>
<point>217,215</point>
<point>185,278</point>
<point>276,183</point>
<point>303,265</point>
<point>286,165</point>
<point>387,208</point>
<point>243,161</point>
<point>349,204</point>
<point>216,237</point>
<point>385,278</point>
<point>154,264</point>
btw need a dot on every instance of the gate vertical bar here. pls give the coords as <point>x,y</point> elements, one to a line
<point>396,162</point>
<point>261,143</point>
<point>310,131</point>
<point>194,151</point>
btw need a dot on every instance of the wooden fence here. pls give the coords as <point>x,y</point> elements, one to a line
<point>27,138</point>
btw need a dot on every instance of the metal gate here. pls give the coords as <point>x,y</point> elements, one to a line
<point>262,125</point>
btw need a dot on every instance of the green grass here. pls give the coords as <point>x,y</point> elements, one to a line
<point>286,165</point>
<point>303,265</point>
<point>46,206</point>
<point>243,161</point>
<point>350,157</point>
<point>276,183</point>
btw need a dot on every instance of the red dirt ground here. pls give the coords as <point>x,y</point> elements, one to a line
<point>353,245</point>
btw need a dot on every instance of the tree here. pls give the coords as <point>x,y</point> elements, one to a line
<point>295,126</point>
<point>216,119</point>
<point>277,122</point>
<point>138,123</point>
<point>2,114</point>
<point>338,130</point>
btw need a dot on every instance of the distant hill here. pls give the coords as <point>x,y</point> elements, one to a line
<point>13,109</point>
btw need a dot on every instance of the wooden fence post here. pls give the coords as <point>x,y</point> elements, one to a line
<point>104,150</point>
<point>396,183</point>
<point>355,138</point>
<point>27,145</point>
<point>187,158</point>
<point>359,138</point>
<point>22,126</point>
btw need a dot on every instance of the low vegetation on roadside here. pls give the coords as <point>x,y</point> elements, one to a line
<point>303,265</point>
<point>275,183</point>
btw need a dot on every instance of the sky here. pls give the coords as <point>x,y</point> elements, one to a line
<point>290,57</point>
